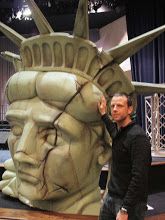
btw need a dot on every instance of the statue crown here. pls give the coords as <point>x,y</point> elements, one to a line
<point>63,52</point>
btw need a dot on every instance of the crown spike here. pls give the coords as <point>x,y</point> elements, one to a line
<point>81,25</point>
<point>148,88</point>
<point>39,19</point>
<point>15,37</point>
<point>122,52</point>
<point>9,56</point>
<point>13,58</point>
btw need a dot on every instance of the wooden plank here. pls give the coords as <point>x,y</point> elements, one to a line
<point>157,163</point>
<point>18,214</point>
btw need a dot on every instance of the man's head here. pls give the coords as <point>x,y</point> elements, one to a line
<point>121,108</point>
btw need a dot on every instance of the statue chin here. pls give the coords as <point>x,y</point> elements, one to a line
<point>31,192</point>
<point>73,204</point>
<point>60,202</point>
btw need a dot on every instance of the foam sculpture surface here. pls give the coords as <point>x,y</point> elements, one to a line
<point>58,143</point>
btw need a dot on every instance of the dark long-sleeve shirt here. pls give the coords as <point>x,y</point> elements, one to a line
<point>131,160</point>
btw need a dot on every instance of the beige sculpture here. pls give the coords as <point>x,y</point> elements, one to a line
<point>58,143</point>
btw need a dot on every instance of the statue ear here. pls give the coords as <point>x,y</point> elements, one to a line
<point>105,155</point>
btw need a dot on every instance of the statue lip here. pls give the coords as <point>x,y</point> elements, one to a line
<point>27,177</point>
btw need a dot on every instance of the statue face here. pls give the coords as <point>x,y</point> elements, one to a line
<point>54,153</point>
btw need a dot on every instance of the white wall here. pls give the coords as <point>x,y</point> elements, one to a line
<point>112,35</point>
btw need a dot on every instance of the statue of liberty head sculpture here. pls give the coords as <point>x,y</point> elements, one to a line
<point>58,143</point>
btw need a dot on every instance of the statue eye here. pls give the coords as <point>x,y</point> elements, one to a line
<point>16,130</point>
<point>51,139</point>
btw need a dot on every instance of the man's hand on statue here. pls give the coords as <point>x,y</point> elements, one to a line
<point>102,106</point>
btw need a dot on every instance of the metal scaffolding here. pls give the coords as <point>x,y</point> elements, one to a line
<point>155,122</point>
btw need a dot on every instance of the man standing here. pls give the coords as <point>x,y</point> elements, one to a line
<point>131,159</point>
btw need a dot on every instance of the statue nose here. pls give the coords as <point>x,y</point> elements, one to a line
<point>27,142</point>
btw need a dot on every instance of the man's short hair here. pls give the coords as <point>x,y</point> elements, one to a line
<point>129,98</point>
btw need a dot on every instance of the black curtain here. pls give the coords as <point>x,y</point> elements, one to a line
<point>148,65</point>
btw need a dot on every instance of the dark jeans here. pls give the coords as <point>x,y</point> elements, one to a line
<point>111,207</point>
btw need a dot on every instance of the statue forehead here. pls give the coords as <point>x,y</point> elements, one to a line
<point>62,91</point>
<point>55,86</point>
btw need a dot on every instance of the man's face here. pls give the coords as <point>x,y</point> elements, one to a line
<point>53,153</point>
<point>120,110</point>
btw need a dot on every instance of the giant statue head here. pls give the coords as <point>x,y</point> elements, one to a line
<point>58,143</point>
